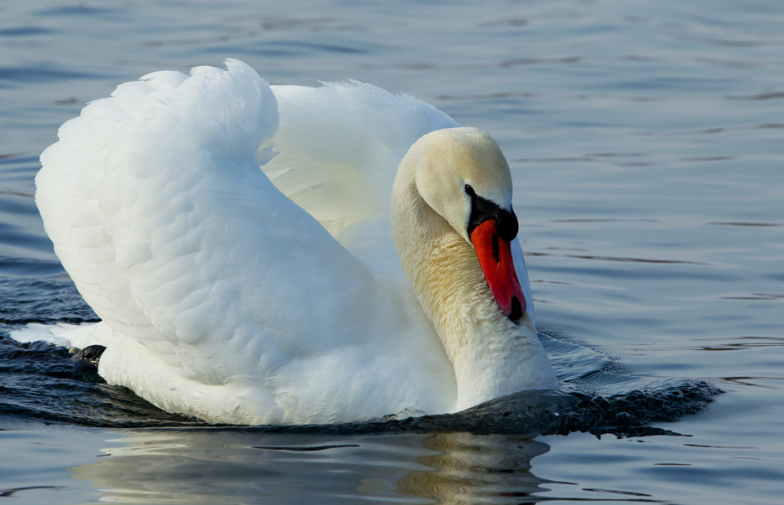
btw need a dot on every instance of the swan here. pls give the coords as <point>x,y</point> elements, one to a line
<point>369,268</point>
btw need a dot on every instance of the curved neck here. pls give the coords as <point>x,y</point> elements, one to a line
<point>491,355</point>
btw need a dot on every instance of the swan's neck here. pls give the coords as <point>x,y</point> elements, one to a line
<point>491,355</point>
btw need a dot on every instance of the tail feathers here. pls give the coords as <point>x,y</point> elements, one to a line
<point>58,334</point>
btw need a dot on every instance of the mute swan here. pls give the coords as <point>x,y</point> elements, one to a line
<point>248,296</point>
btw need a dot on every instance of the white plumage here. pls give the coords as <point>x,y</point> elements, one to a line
<point>246,296</point>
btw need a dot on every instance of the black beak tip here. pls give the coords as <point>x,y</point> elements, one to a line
<point>517,310</point>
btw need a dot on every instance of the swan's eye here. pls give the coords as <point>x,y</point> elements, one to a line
<point>469,190</point>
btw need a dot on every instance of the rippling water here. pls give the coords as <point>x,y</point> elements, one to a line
<point>646,142</point>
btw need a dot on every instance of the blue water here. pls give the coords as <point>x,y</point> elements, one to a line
<point>646,142</point>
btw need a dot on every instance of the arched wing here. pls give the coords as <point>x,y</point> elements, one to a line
<point>339,146</point>
<point>158,210</point>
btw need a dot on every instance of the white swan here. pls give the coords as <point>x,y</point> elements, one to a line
<point>246,296</point>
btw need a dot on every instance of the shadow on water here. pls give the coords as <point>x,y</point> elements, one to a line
<point>40,382</point>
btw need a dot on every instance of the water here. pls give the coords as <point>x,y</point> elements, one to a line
<point>646,144</point>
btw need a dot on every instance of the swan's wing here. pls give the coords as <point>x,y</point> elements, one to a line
<point>158,210</point>
<point>522,275</point>
<point>339,146</point>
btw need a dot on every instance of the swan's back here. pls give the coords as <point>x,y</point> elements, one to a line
<point>196,262</point>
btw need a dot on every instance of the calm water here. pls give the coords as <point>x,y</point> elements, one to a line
<point>646,141</point>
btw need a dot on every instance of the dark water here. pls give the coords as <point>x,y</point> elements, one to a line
<point>646,141</point>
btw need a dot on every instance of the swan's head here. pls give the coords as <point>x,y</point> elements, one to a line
<point>463,176</point>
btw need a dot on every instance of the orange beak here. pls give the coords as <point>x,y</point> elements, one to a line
<point>495,258</point>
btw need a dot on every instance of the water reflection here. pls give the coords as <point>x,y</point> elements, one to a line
<point>242,466</point>
<point>476,469</point>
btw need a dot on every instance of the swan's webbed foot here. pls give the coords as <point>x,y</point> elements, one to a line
<point>90,355</point>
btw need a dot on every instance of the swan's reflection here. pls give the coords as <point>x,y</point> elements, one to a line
<point>241,466</point>
<point>475,469</point>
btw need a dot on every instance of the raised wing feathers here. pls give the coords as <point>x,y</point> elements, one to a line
<point>159,212</point>
<point>339,146</point>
